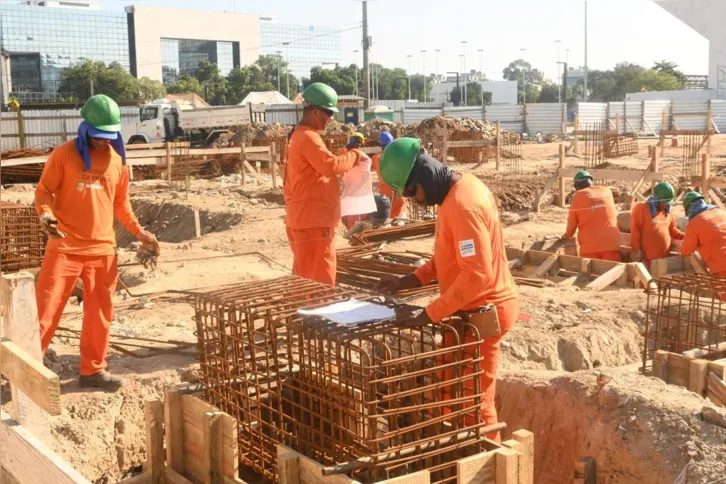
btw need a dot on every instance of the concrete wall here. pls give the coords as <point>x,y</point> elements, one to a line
<point>686,95</point>
<point>503,92</point>
<point>707,18</point>
<point>151,24</point>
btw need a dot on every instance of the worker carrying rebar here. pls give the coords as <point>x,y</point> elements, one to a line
<point>653,227</point>
<point>85,183</point>
<point>594,217</point>
<point>397,203</point>
<point>705,232</point>
<point>469,257</point>
<point>312,197</point>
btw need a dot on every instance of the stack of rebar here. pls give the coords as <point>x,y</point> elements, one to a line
<point>21,238</point>
<point>390,234</point>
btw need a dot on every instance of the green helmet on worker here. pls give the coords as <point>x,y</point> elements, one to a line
<point>581,175</point>
<point>691,197</point>
<point>665,192</point>
<point>322,96</point>
<point>397,162</point>
<point>102,113</point>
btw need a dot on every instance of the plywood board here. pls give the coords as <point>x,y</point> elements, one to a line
<point>311,472</point>
<point>30,376</point>
<point>477,469</point>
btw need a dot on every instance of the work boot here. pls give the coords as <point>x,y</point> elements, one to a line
<point>102,379</point>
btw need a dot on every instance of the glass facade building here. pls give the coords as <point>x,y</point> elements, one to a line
<point>181,57</point>
<point>42,41</point>
<point>303,46</point>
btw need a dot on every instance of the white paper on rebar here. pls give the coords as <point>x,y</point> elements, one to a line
<point>351,312</point>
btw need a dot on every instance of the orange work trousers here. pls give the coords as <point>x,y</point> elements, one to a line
<point>398,204</point>
<point>58,275</point>
<point>508,313</point>
<point>313,252</point>
<point>611,255</point>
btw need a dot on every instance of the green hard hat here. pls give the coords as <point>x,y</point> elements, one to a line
<point>102,113</point>
<point>691,197</point>
<point>321,95</point>
<point>665,192</point>
<point>582,174</point>
<point>397,162</point>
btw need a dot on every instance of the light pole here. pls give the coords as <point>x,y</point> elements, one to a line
<point>279,57</point>
<point>559,89</point>
<point>524,79</point>
<point>466,98</point>
<point>567,57</point>
<point>356,70</point>
<point>438,78</point>
<point>409,76</point>
<point>287,72</point>
<point>481,74</point>
<point>423,56</point>
<point>584,94</point>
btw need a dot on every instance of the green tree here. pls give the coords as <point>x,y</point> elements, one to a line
<point>521,71</point>
<point>342,79</point>
<point>549,93</point>
<point>473,95</point>
<point>185,85</point>
<point>613,85</point>
<point>150,90</point>
<point>111,80</point>
<point>671,68</point>
<point>417,90</point>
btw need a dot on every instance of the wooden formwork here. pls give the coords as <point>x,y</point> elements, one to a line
<point>692,371</point>
<point>512,462</point>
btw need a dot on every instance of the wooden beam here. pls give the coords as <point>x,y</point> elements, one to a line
<point>548,186</point>
<point>29,460</point>
<point>213,466</point>
<point>606,279</point>
<point>30,376</point>
<point>253,172</point>
<point>526,459</point>
<point>717,387</point>
<point>154,415</point>
<point>197,224</point>
<point>703,352</point>
<point>173,477</point>
<point>420,477</point>
<point>660,365</point>
<point>144,478</point>
<point>507,466</point>
<point>715,198</point>
<point>288,469</point>
<point>174,430</point>
<point>476,469</point>
<point>545,266</point>
<point>311,472</point>
<point>561,184</point>
<point>697,374</point>
<point>678,367</point>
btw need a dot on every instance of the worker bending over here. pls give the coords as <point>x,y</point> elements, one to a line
<point>312,199</point>
<point>85,183</point>
<point>653,226</point>
<point>705,232</point>
<point>397,202</point>
<point>469,256</point>
<point>593,216</point>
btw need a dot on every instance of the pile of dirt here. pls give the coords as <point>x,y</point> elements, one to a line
<point>336,128</point>
<point>459,129</point>
<point>515,193</point>
<point>248,133</point>
<point>371,129</point>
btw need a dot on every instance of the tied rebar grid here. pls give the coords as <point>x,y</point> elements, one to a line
<point>511,154</point>
<point>419,212</point>
<point>616,145</point>
<point>693,141</point>
<point>686,312</point>
<point>396,232</point>
<point>593,137</point>
<point>404,399</point>
<point>21,238</point>
<point>245,355</point>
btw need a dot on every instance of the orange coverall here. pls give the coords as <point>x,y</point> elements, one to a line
<point>652,235</point>
<point>593,216</point>
<point>470,263</point>
<point>397,203</point>
<point>312,203</point>
<point>706,233</point>
<point>85,203</point>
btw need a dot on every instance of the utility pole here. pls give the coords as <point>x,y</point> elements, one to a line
<point>438,77</point>
<point>423,55</point>
<point>366,52</point>
<point>356,72</point>
<point>584,94</point>
<point>524,79</point>
<point>279,56</point>
<point>90,88</point>
<point>287,69</point>
<point>481,74</point>
<point>466,98</point>
<point>409,76</point>
<point>559,89</point>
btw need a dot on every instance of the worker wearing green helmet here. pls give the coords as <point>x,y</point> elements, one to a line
<point>705,233</point>
<point>653,227</point>
<point>594,217</point>
<point>469,260</point>
<point>84,186</point>
<point>312,199</point>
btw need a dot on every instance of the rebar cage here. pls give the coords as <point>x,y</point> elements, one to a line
<point>405,399</point>
<point>693,142</point>
<point>511,154</point>
<point>21,238</point>
<point>616,145</point>
<point>686,312</point>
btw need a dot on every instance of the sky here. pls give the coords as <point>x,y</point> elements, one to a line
<point>637,31</point>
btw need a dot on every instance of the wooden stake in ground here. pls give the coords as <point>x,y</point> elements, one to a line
<point>273,165</point>
<point>662,134</point>
<point>562,179</point>
<point>575,144</point>
<point>705,174</point>
<point>242,164</point>
<point>499,143</point>
<point>168,161</point>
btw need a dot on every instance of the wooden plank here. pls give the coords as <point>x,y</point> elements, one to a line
<point>197,224</point>
<point>507,466</point>
<point>213,448</point>
<point>561,183</point>
<point>144,478</point>
<point>715,198</point>
<point>717,387</point>
<point>20,325</point>
<point>548,186</point>
<point>718,367</point>
<point>606,279</point>
<point>30,376</point>
<point>311,472</point>
<point>697,375</point>
<point>29,460</point>
<point>420,477</point>
<point>154,415</point>
<point>471,143</point>
<point>678,367</point>
<point>574,263</point>
<point>6,477</point>
<point>614,175</point>
<point>477,469</point>
<point>526,460</point>
<point>643,276</point>
<point>173,477</point>
<point>545,266</point>
<point>703,352</point>
<point>660,365</point>
<point>174,429</point>
<point>253,172</point>
<point>288,469</point>
<point>514,263</point>
<point>193,409</point>
<point>570,281</point>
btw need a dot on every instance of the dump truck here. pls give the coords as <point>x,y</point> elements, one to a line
<point>164,120</point>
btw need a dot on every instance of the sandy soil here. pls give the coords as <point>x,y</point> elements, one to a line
<point>638,429</point>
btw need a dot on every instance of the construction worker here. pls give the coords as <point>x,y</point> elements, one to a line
<point>355,141</point>
<point>397,203</point>
<point>653,226</point>
<point>469,258</point>
<point>312,199</point>
<point>85,183</point>
<point>705,232</point>
<point>593,216</point>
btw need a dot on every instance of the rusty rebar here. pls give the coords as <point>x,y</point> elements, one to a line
<point>21,238</point>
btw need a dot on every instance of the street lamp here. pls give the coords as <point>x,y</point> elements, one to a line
<point>279,57</point>
<point>356,70</point>
<point>584,94</point>
<point>481,74</point>
<point>559,89</point>
<point>287,72</point>
<point>438,78</point>
<point>524,80</point>
<point>457,86</point>
<point>462,92</point>
<point>409,76</point>
<point>423,56</point>
<point>466,98</point>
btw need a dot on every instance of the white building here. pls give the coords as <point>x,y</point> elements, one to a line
<point>503,92</point>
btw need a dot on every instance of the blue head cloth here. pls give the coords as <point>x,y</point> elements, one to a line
<point>697,207</point>
<point>83,144</point>
<point>653,203</point>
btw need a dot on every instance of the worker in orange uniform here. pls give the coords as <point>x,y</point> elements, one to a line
<point>653,227</point>
<point>85,183</point>
<point>705,233</point>
<point>469,258</point>
<point>397,203</point>
<point>593,216</point>
<point>312,199</point>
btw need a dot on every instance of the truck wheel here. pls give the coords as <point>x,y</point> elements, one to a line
<point>136,140</point>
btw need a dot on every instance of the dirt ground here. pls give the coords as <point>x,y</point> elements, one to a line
<point>567,374</point>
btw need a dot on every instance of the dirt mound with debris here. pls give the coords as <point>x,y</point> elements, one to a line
<point>515,193</point>
<point>248,133</point>
<point>460,129</point>
<point>372,129</point>
<point>336,128</point>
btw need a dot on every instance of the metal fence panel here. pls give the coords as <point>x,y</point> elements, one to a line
<point>285,114</point>
<point>411,116</point>
<point>690,114</point>
<point>614,109</point>
<point>511,116</point>
<point>464,112</point>
<point>718,108</point>
<point>633,122</point>
<point>652,114</point>
<point>545,118</point>
<point>589,113</point>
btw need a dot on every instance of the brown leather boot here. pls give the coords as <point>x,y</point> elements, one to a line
<point>102,379</point>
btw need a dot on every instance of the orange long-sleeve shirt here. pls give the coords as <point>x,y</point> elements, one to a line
<point>469,256</point>
<point>706,233</point>
<point>312,197</point>
<point>593,216</point>
<point>652,235</point>
<point>383,189</point>
<point>85,202</point>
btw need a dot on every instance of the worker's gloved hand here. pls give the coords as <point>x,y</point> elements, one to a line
<point>354,143</point>
<point>49,225</point>
<point>394,284</point>
<point>148,252</point>
<point>421,320</point>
